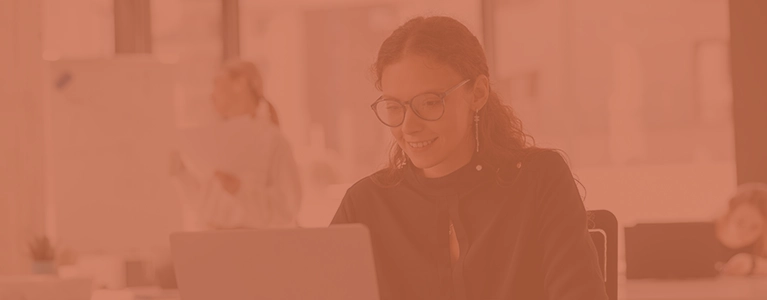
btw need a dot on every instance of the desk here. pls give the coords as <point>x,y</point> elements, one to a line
<point>725,288</point>
<point>44,287</point>
<point>135,294</point>
<point>702,289</point>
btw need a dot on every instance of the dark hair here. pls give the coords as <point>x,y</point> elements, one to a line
<point>446,40</point>
<point>248,70</point>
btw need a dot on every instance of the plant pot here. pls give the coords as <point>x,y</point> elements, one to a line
<point>44,268</point>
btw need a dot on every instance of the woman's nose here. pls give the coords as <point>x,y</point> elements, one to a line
<point>411,123</point>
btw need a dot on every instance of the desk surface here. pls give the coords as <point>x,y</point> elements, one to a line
<point>135,294</point>
<point>701,289</point>
<point>724,288</point>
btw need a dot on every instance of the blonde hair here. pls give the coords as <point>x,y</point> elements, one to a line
<point>754,193</point>
<point>248,70</point>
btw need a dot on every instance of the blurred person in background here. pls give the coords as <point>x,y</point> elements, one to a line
<point>268,195</point>
<point>467,208</point>
<point>743,230</point>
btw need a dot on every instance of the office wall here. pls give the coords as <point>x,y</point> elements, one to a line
<point>606,70</point>
<point>78,29</point>
<point>22,207</point>
<point>634,91</point>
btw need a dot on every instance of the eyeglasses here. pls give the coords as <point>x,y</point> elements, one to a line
<point>427,106</point>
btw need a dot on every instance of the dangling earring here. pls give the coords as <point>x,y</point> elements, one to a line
<point>476,128</point>
<point>404,159</point>
<point>476,134</point>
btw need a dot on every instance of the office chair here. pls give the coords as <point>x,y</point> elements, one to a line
<point>603,227</point>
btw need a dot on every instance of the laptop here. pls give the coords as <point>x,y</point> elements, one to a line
<point>672,251</point>
<point>334,263</point>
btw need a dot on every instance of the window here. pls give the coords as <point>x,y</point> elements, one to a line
<point>636,95</point>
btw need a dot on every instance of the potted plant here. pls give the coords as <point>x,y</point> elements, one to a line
<point>43,255</point>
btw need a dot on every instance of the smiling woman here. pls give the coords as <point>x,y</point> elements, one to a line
<point>436,65</point>
<point>466,208</point>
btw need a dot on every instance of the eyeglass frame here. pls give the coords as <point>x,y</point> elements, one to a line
<point>409,103</point>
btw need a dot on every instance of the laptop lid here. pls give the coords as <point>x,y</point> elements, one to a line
<point>334,263</point>
<point>671,250</point>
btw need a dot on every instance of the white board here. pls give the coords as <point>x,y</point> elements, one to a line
<point>110,126</point>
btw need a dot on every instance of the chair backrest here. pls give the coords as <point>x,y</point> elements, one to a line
<point>603,227</point>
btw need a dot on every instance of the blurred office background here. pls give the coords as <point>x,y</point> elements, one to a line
<point>638,93</point>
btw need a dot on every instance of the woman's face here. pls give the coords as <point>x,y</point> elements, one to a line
<point>226,97</point>
<point>437,147</point>
<point>743,226</point>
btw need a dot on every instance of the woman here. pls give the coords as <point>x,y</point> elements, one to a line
<point>268,193</point>
<point>466,208</point>
<point>743,230</point>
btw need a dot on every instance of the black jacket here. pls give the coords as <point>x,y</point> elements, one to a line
<point>521,227</point>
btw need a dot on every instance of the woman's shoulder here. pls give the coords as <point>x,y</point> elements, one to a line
<point>545,160</point>
<point>368,185</point>
<point>534,161</point>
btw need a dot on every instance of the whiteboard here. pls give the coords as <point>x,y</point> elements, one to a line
<point>109,133</point>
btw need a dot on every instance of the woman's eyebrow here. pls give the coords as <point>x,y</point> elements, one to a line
<point>428,91</point>
<point>387,97</point>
